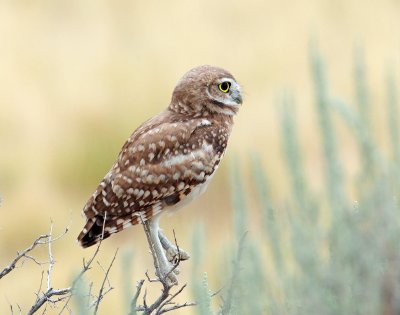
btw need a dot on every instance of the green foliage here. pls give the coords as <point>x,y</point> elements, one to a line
<point>126,276</point>
<point>203,296</point>
<point>334,250</point>
<point>81,298</point>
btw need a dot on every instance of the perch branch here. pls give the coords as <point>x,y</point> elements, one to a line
<point>164,303</point>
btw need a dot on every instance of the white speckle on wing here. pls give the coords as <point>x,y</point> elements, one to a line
<point>204,122</point>
<point>150,179</point>
<point>152,146</point>
<point>187,158</point>
<point>117,189</point>
<point>151,156</point>
<point>106,203</point>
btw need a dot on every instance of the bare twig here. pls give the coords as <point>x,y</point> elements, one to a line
<point>46,297</point>
<point>40,285</point>
<point>86,266</point>
<point>42,239</point>
<point>12,309</point>
<point>151,279</point>
<point>51,259</point>
<point>163,309</point>
<point>51,295</point>
<point>50,292</point>
<point>175,307</point>
<point>105,271</point>
<point>101,295</point>
<point>39,263</point>
<point>216,292</point>
<point>66,305</point>
<point>139,286</point>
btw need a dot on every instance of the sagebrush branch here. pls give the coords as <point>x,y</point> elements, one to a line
<point>47,297</point>
<point>165,302</point>
<point>20,255</point>
<point>41,240</point>
<point>53,295</point>
<point>102,292</point>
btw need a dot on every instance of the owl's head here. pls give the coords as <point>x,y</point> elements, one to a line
<point>206,89</point>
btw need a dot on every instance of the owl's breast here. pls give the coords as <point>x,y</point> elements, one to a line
<point>185,199</point>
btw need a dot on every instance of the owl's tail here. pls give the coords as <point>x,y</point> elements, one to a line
<point>99,227</point>
<point>93,231</point>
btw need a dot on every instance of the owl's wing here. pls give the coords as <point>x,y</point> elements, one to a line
<point>160,164</point>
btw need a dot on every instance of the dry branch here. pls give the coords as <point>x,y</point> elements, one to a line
<point>164,303</point>
<point>52,295</point>
<point>102,292</point>
<point>42,239</point>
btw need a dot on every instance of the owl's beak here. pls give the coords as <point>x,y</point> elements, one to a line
<point>237,98</point>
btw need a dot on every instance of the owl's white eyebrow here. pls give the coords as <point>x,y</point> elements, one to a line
<point>226,79</point>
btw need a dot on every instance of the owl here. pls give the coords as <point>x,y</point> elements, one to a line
<point>166,162</point>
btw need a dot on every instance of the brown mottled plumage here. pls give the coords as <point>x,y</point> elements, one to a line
<point>169,159</point>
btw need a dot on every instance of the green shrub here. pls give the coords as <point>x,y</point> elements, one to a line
<point>329,251</point>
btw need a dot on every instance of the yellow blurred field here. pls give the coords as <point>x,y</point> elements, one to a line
<point>76,78</point>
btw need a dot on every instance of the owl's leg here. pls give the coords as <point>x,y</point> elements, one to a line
<point>172,252</point>
<point>165,270</point>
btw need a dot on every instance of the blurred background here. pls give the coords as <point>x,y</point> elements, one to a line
<point>77,77</point>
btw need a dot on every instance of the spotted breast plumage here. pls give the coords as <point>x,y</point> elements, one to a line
<point>170,159</point>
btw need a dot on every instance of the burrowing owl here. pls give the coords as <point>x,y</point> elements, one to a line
<point>167,161</point>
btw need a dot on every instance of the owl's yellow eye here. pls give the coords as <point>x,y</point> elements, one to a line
<point>224,86</point>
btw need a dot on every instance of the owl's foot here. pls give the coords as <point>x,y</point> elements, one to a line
<point>173,253</point>
<point>169,274</point>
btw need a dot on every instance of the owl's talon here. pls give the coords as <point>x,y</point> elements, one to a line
<point>169,274</point>
<point>175,256</point>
